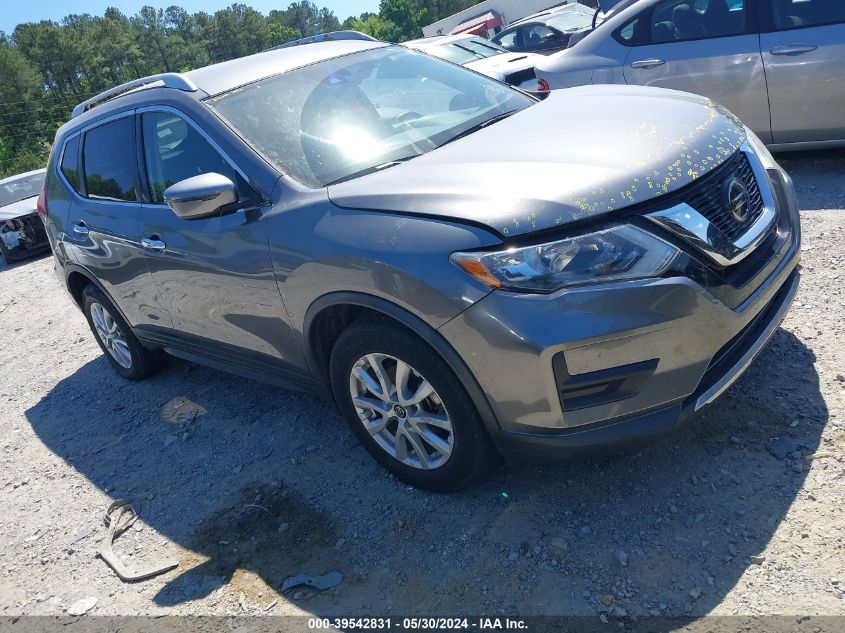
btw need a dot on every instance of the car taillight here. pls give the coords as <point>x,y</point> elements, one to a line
<point>41,205</point>
<point>543,85</point>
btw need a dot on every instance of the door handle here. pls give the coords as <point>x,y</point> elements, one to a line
<point>648,63</point>
<point>793,49</point>
<point>153,244</point>
<point>80,228</point>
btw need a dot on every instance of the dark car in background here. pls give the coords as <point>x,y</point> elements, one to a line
<point>21,230</point>
<point>546,33</point>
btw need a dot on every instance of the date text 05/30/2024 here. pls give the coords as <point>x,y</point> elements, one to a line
<point>418,624</point>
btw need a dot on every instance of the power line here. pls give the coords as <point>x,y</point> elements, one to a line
<point>54,97</point>
<point>36,122</point>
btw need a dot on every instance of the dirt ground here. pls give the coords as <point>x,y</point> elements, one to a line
<point>245,485</point>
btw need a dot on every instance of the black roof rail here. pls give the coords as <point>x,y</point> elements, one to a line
<point>177,81</point>
<point>326,37</point>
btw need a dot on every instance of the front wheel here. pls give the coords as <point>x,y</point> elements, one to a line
<point>407,408</point>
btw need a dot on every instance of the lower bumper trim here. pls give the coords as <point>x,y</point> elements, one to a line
<point>753,348</point>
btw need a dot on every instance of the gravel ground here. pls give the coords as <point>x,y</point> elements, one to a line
<point>245,485</point>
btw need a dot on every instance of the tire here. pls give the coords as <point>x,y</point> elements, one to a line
<point>376,342</point>
<point>130,359</point>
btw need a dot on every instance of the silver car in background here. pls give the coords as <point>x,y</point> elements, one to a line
<point>21,230</point>
<point>776,64</point>
<point>485,57</point>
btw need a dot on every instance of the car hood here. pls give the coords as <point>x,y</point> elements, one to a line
<point>502,65</point>
<point>19,209</point>
<point>581,153</point>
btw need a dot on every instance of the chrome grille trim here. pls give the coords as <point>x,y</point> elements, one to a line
<point>711,235</point>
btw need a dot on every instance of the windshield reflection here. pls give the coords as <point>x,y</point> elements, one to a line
<point>346,116</point>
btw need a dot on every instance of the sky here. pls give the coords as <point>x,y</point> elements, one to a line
<point>13,12</point>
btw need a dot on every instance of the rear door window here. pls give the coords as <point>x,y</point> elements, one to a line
<point>109,161</point>
<point>684,20</point>
<point>794,14</point>
<point>70,163</point>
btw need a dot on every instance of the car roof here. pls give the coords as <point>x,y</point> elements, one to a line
<point>225,76</point>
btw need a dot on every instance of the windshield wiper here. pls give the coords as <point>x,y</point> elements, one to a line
<point>370,170</point>
<point>480,126</point>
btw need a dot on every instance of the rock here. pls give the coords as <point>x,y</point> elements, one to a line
<point>169,439</point>
<point>695,593</point>
<point>82,606</point>
<point>607,599</point>
<point>622,557</point>
<point>780,447</point>
<point>756,560</point>
<point>283,527</point>
<point>619,613</point>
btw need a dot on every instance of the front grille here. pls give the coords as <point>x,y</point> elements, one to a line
<point>706,196</point>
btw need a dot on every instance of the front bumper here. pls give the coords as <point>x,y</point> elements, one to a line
<point>726,370</point>
<point>604,364</point>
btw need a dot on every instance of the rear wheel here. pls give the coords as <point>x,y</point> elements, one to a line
<point>119,344</point>
<point>407,408</point>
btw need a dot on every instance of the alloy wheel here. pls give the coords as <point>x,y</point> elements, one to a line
<point>111,336</point>
<point>401,411</point>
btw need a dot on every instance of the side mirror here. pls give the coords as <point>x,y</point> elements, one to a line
<point>200,196</point>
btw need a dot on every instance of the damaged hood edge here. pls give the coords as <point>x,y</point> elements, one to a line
<point>548,165</point>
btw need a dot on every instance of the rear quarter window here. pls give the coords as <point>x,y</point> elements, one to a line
<point>70,163</point>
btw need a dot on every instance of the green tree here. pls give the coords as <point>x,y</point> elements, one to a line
<point>375,25</point>
<point>405,14</point>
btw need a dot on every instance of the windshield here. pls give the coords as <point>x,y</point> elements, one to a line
<point>341,117</point>
<point>21,188</point>
<point>569,21</point>
<point>466,51</point>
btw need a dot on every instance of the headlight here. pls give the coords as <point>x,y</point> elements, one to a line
<point>622,252</point>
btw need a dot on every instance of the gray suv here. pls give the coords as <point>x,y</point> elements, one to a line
<point>467,271</point>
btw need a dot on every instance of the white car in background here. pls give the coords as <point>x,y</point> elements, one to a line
<point>485,57</point>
